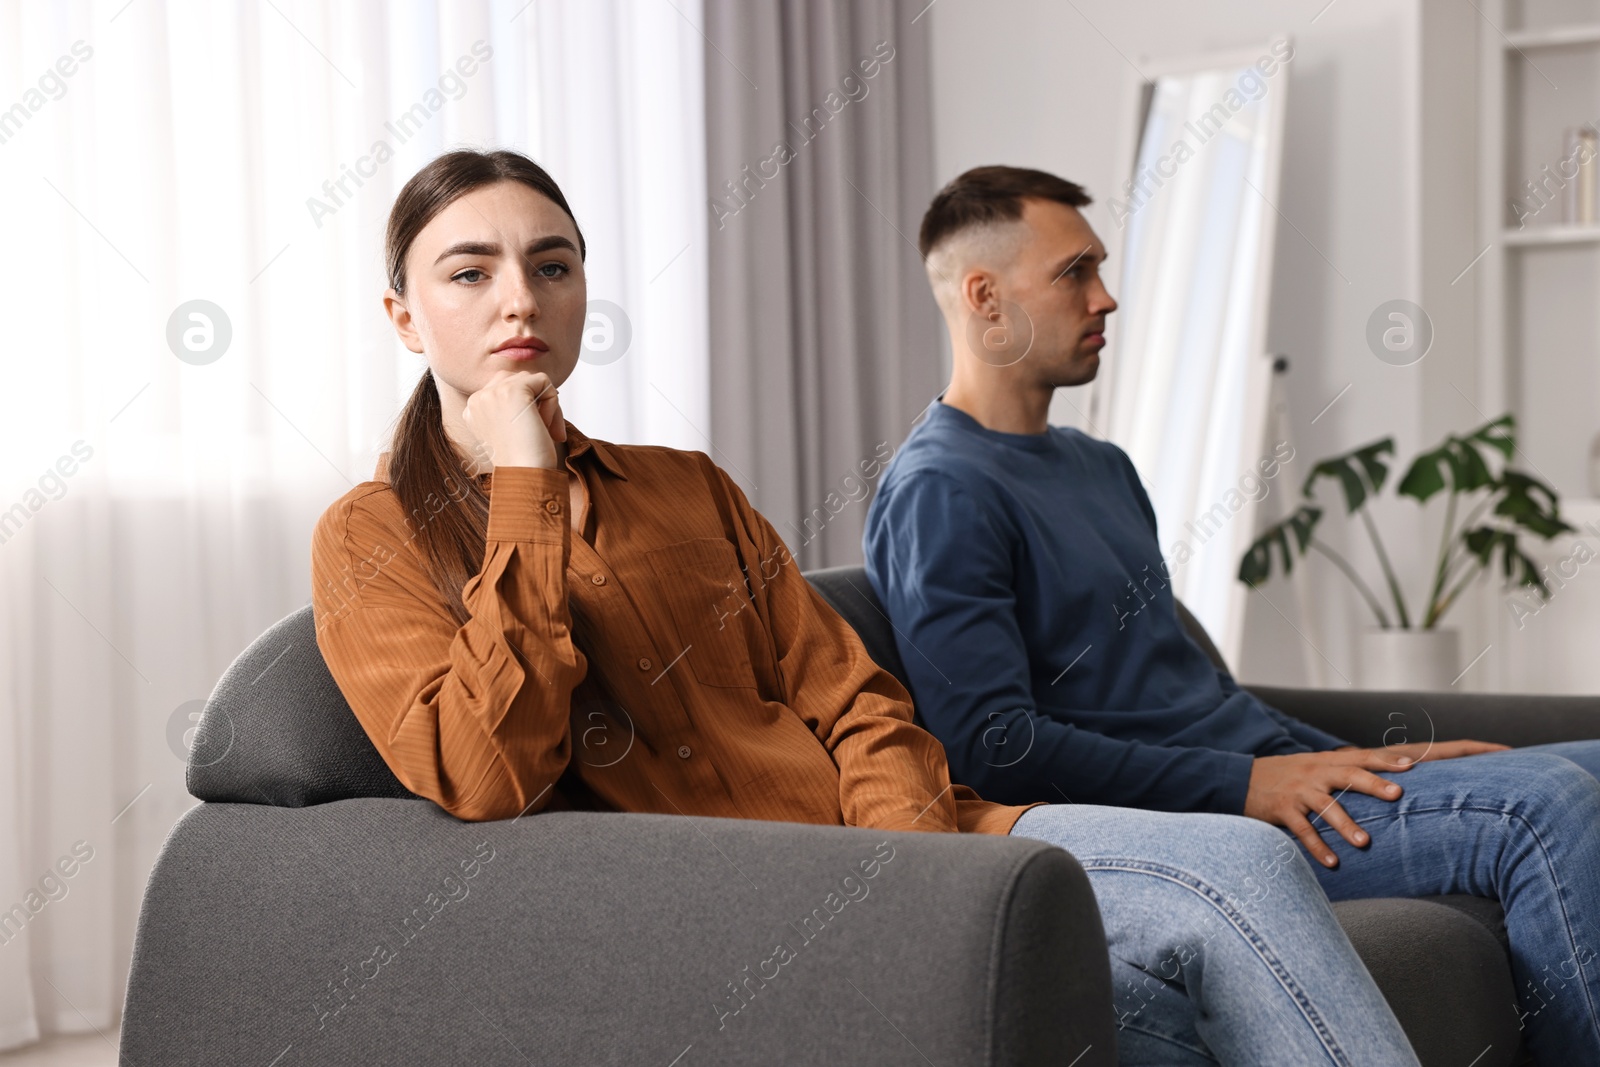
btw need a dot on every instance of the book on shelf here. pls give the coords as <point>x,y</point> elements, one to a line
<point>1579,194</point>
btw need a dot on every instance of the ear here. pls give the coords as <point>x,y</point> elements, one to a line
<point>400,318</point>
<point>979,293</point>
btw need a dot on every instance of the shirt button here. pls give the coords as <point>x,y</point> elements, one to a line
<point>598,579</point>
<point>644,664</point>
<point>553,507</point>
<point>683,751</point>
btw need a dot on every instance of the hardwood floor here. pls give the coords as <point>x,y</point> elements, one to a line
<point>90,1050</point>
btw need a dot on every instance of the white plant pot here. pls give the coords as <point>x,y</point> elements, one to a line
<point>1409,659</point>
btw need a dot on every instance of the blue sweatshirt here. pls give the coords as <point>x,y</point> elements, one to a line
<point>1038,629</point>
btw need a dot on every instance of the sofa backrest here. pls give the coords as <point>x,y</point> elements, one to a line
<point>848,592</point>
<point>1198,635</point>
<point>278,731</point>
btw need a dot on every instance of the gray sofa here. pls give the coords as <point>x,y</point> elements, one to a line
<point>314,911</point>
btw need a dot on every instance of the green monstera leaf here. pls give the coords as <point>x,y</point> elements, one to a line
<point>1531,504</point>
<point>1459,463</point>
<point>1515,565</point>
<point>1256,567</point>
<point>1348,469</point>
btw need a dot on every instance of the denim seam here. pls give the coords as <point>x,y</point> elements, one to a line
<point>1566,921</point>
<point>1243,928</point>
<point>1170,1040</point>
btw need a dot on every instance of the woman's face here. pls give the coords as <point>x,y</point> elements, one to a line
<point>500,262</point>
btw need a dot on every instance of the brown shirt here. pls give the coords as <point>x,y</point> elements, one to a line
<point>671,659</point>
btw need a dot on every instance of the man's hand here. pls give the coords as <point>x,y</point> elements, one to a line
<point>1421,751</point>
<point>1284,789</point>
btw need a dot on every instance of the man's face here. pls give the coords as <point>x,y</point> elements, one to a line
<point>1055,282</point>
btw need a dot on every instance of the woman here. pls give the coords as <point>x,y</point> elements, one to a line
<point>526,619</point>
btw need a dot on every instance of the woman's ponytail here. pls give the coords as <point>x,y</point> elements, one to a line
<point>445,506</point>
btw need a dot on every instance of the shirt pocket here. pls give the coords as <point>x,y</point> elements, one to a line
<point>716,622</point>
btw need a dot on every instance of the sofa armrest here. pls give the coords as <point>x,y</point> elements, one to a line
<point>388,931</point>
<point>1371,718</point>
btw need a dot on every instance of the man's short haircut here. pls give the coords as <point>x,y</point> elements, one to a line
<point>987,195</point>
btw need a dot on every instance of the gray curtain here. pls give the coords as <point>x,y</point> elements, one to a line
<point>824,335</point>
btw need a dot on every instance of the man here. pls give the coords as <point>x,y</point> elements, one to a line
<point>1001,548</point>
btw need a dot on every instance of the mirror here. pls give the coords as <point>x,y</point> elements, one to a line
<point>1185,392</point>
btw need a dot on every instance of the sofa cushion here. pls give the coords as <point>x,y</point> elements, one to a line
<point>278,731</point>
<point>1417,949</point>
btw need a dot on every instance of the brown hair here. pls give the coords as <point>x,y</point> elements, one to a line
<point>452,529</point>
<point>990,194</point>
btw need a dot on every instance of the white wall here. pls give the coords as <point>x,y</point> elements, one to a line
<point>1044,84</point>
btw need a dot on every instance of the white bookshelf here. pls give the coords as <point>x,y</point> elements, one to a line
<point>1557,37</point>
<point>1538,290</point>
<point>1539,286</point>
<point>1561,234</point>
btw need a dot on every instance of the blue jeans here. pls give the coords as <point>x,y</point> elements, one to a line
<point>1223,947</point>
<point>1522,826</point>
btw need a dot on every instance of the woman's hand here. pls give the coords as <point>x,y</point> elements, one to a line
<point>517,417</point>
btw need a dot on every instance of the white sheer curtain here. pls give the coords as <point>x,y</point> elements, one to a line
<point>155,512</point>
<point>1187,389</point>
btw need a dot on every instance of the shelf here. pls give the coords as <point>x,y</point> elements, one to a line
<point>1565,233</point>
<point>1562,37</point>
<point>1538,321</point>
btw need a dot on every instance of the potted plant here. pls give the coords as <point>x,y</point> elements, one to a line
<point>1406,651</point>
